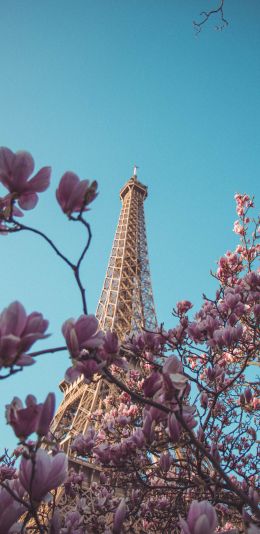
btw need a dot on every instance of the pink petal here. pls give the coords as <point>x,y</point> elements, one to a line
<point>86,326</point>
<point>76,200</point>
<point>67,326</point>
<point>27,201</point>
<point>35,323</point>
<point>17,212</point>
<point>119,517</point>
<point>202,526</point>
<point>40,181</point>
<point>67,183</point>
<point>72,374</point>
<point>13,319</point>
<point>8,349</point>
<point>28,340</point>
<point>25,359</point>
<point>6,163</point>
<point>172,365</point>
<point>47,413</point>
<point>59,468</point>
<point>22,168</point>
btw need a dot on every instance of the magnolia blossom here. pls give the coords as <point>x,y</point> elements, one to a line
<point>243,202</point>
<point>82,334</point>
<point>10,509</point>
<point>43,473</point>
<point>18,332</point>
<point>84,443</point>
<point>202,519</point>
<point>238,228</point>
<point>73,194</point>
<point>33,418</point>
<point>183,306</point>
<point>165,462</point>
<point>15,170</point>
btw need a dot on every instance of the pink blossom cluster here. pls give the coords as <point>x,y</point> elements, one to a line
<point>169,388</point>
<point>243,202</point>
<point>141,441</point>
<point>238,228</point>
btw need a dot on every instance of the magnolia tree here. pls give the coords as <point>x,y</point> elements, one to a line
<point>174,439</point>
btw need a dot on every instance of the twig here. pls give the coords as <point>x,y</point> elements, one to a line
<point>208,14</point>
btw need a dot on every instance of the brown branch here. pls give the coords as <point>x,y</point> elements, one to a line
<point>207,14</point>
<point>145,401</point>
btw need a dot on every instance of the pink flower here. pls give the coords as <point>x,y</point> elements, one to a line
<point>82,334</point>
<point>10,509</point>
<point>23,420</point>
<point>18,332</point>
<point>183,306</point>
<point>43,474</point>
<point>34,418</point>
<point>73,194</point>
<point>84,443</point>
<point>87,367</point>
<point>202,519</point>
<point>15,170</point>
<point>238,228</point>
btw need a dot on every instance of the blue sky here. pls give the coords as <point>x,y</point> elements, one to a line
<point>96,86</point>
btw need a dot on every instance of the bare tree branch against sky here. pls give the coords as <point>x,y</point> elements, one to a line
<point>217,11</point>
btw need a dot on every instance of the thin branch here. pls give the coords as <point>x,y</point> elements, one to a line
<point>207,14</point>
<point>46,351</point>
<point>49,241</point>
<point>136,396</point>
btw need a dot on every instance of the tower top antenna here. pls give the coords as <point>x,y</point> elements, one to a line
<point>135,170</point>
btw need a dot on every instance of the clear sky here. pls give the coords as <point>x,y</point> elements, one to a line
<point>96,86</point>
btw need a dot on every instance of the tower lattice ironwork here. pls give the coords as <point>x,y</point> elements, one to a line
<point>126,306</point>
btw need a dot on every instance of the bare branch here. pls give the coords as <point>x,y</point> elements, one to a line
<point>207,14</point>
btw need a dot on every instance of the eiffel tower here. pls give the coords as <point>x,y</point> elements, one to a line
<point>126,306</point>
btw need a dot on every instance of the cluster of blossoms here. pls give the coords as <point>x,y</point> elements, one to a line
<point>73,194</point>
<point>172,443</point>
<point>90,349</point>
<point>22,490</point>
